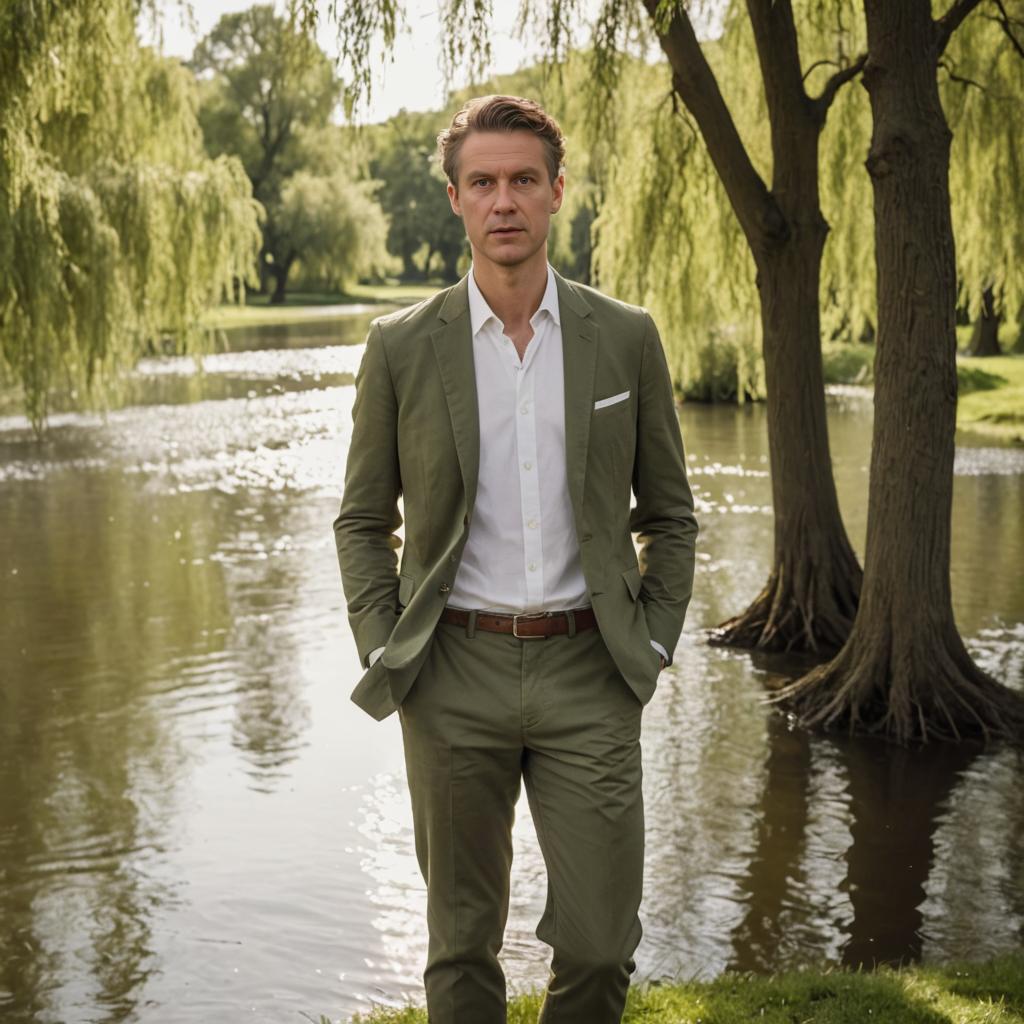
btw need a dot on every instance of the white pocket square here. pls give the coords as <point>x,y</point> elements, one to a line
<point>602,402</point>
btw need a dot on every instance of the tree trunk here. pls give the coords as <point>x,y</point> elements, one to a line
<point>810,598</point>
<point>280,272</point>
<point>904,672</point>
<point>426,263</point>
<point>985,335</point>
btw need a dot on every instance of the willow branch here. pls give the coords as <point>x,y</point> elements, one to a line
<point>951,21</point>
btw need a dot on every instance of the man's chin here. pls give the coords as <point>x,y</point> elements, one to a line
<point>507,254</point>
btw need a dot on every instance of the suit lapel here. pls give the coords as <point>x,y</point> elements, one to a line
<point>579,360</point>
<point>453,348</point>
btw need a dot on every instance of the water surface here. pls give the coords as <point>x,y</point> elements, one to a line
<point>196,823</point>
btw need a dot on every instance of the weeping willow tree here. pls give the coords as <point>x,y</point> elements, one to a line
<point>115,229</point>
<point>904,671</point>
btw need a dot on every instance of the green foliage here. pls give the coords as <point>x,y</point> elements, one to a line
<point>982,86</point>
<point>268,92</point>
<point>414,196</point>
<point>666,238</point>
<point>114,227</point>
<point>336,226</point>
<point>265,83</point>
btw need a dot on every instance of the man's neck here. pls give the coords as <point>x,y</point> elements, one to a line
<point>513,293</point>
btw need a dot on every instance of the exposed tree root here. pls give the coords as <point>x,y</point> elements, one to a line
<point>786,617</point>
<point>945,697</point>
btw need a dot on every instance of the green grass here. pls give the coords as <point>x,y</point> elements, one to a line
<point>300,306</point>
<point>988,993</point>
<point>991,397</point>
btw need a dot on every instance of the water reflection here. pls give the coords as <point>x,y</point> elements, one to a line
<point>194,818</point>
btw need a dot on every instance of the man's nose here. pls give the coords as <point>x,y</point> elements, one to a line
<point>504,197</point>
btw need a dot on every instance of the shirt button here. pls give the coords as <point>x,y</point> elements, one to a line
<point>532,567</point>
<point>531,523</point>
<point>524,408</point>
<point>527,465</point>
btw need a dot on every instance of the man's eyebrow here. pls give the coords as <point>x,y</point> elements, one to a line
<point>515,174</point>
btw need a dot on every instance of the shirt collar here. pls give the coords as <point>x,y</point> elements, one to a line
<point>480,312</point>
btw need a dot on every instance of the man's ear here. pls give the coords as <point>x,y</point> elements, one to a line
<point>558,190</point>
<point>453,198</point>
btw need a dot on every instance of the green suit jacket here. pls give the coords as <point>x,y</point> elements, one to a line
<point>415,435</point>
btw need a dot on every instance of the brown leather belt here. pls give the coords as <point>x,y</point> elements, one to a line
<point>528,626</point>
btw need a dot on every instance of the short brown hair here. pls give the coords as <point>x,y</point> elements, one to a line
<point>501,114</point>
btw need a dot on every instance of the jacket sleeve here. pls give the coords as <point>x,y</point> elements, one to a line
<point>663,517</point>
<point>365,529</point>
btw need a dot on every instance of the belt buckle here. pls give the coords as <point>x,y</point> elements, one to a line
<point>527,636</point>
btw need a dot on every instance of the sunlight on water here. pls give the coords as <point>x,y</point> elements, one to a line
<point>312,363</point>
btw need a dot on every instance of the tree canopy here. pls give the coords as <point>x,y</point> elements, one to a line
<point>115,227</point>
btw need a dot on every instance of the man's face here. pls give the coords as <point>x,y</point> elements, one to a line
<point>505,197</point>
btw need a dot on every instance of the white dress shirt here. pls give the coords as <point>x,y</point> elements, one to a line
<point>521,554</point>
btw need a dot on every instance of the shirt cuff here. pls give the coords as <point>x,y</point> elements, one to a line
<point>373,656</point>
<point>661,650</point>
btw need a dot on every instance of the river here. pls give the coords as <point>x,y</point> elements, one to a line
<point>197,824</point>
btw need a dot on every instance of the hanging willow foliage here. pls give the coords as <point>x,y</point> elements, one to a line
<point>115,229</point>
<point>666,235</point>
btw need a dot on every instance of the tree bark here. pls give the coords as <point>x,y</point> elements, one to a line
<point>904,672</point>
<point>280,272</point>
<point>810,598</point>
<point>985,334</point>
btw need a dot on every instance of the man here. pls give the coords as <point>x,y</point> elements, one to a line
<point>519,638</point>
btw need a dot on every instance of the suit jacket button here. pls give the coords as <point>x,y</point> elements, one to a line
<point>443,589</point>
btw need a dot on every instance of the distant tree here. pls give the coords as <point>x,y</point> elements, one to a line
<point>413,195</point>
<point>268,89</point>
<point>115,227</point>
<point>985,332</point>
<point>335,225</point>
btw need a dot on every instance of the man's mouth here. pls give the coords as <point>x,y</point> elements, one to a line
<point>506,231</point>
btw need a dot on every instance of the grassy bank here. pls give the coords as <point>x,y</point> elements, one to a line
<point>989,993</point>
<point>300,306</point>
<point>991,390</point>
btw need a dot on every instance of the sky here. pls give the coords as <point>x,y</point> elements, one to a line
<point>414,79</point>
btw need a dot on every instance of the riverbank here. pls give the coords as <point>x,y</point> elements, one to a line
<point>986,993</point>
<point>300,306</point>
<point>990,398</point>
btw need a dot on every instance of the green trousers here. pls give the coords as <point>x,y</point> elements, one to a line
<point>486,711</point>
